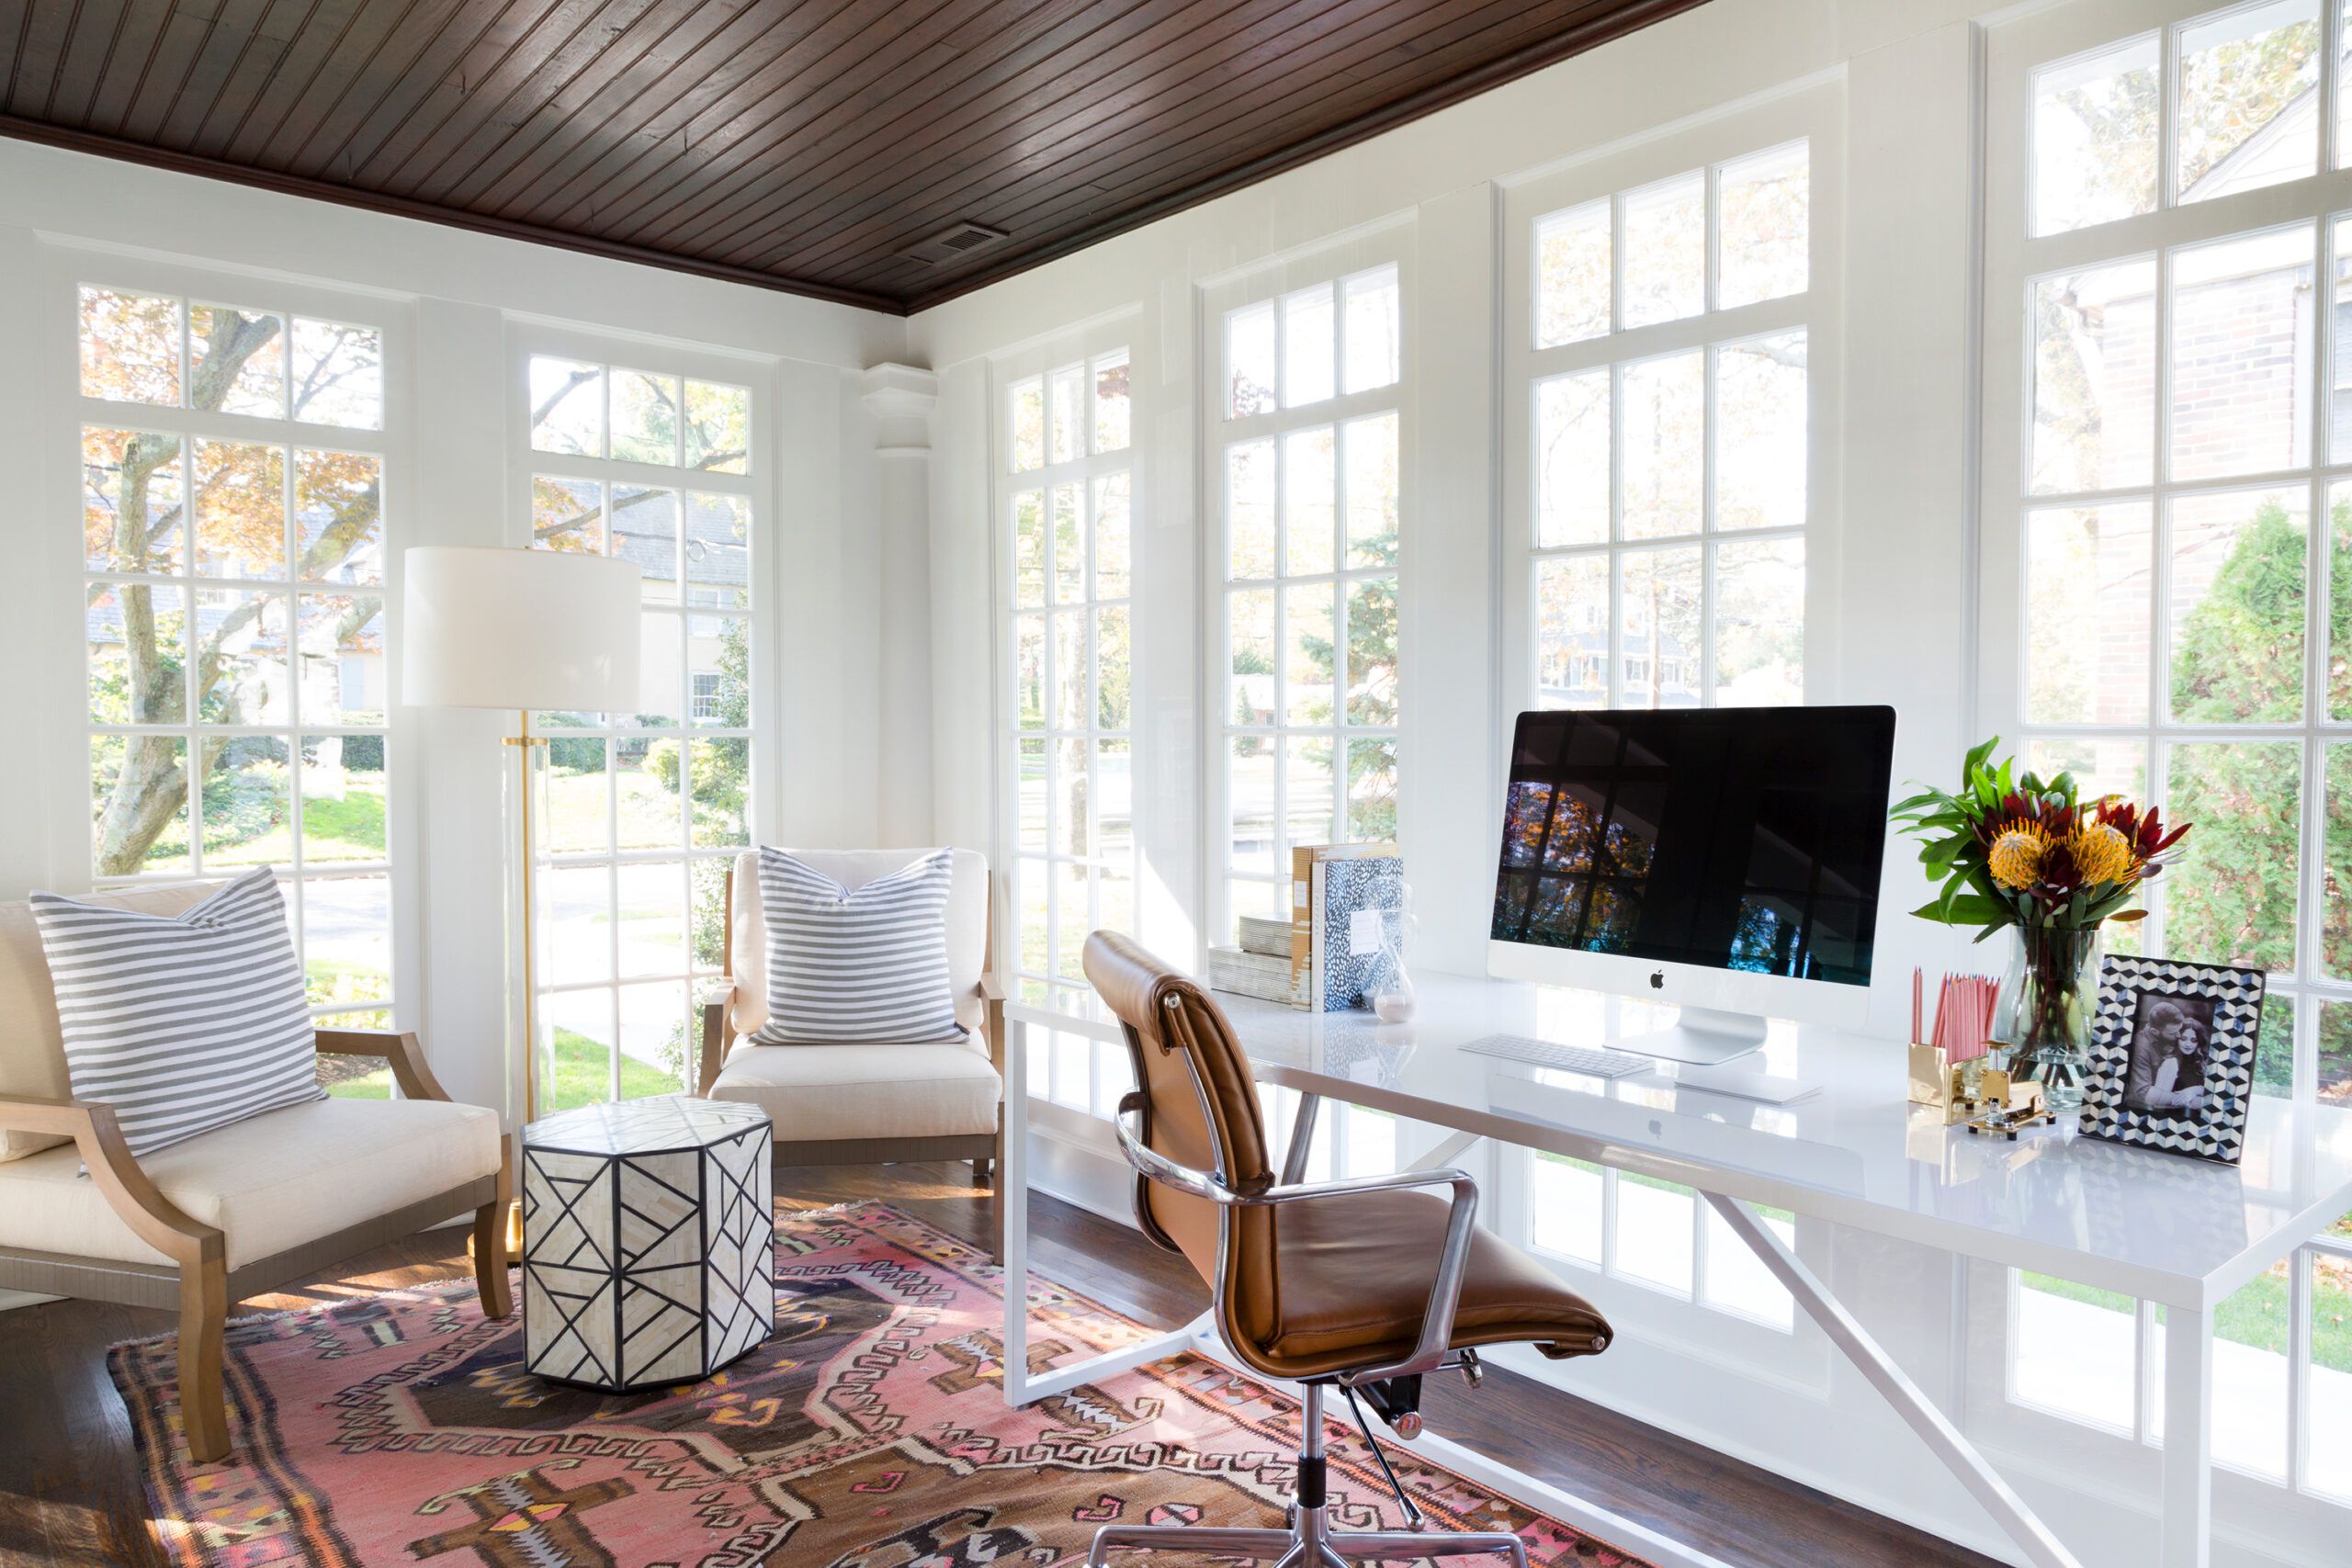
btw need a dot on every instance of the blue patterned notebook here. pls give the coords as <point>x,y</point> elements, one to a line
<point>1359,899</point>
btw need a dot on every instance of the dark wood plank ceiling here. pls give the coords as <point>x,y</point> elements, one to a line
<point>803,146</point>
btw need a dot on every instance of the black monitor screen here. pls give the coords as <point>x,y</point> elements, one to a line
<point>1729,838</point>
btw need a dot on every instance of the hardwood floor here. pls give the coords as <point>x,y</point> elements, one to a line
<point>70,1496</point>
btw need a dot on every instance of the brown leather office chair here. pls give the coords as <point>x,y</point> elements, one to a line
<point>1366,1283</point>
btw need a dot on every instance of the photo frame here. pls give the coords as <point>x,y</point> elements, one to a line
<point>2172,1055</point>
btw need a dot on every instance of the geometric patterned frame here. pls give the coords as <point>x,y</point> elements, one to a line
<point>648,1227</point>
<point>2216,1133</point>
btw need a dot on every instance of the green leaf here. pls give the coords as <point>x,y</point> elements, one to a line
<point>1964,909</point>
<point>1977,756</point>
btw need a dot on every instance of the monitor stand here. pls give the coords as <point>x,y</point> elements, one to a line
<point>1700,1036</point>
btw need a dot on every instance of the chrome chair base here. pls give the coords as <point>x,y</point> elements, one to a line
<point>1306,1544</point>
<point>1308,1540</point>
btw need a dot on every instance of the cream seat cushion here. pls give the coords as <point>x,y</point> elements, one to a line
<point>270,1182</point>
<point>821,1093</point>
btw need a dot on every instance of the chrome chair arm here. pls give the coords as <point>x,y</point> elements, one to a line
<point>1453,1259</point>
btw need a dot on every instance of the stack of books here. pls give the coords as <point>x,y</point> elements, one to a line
<point>1261,964</point>
<point>1329,955</point>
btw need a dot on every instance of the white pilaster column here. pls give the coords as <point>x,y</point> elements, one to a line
<point>900,399</point>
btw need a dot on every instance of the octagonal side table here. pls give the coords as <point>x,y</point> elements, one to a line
<point>647,1241</point>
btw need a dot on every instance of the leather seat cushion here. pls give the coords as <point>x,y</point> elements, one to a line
<point>818,1093</point>
<point>271,1182</point>
<point>1352,1278</point>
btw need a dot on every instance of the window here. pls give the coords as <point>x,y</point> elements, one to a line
<point>233,520</point>
<point>2168,607</point>
<point>1065,488</point>
<point>1667,395</point>
<point>1661,305</point>
<point>1307,441</point>
<point>643,811</point>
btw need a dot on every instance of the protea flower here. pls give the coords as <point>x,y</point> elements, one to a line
<point>2101,853</point>
<point>2018,849</point>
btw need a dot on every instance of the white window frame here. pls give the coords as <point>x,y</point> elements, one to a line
<point>1813,116</point>
<point>758,487</point>
<point>1066,1069</point>
<point>1383,248</point>
<point>2014,261</point>
<point>67,268</point>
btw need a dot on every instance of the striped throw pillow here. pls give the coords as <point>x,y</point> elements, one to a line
<point>182,1023</point>
<point>848,967</point>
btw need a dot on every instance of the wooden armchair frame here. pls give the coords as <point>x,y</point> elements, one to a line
<point>197,1279</point>
<point>985,1150</point>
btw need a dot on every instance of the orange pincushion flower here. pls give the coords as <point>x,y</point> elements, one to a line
<point>2101,853</point>
<point>2016,855</point>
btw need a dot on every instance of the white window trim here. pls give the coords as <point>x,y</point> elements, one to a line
<point>2121,1463</point>
<point>526,338</point>
<point>1388,245</point>
<point>1082,1076</point>
<point>66,267</point>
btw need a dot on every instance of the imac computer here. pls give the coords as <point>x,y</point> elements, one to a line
<point>1724,859</point>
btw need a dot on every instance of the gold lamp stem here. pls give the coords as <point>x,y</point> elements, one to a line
<point>523,744</point>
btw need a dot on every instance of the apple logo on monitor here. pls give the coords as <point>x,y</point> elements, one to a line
<point>1658,979</point>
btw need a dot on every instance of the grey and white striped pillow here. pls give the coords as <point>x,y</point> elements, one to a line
<point>869,965</point>
<point>182,1023</point>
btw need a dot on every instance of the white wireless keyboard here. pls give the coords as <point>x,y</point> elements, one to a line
<point>1567,1058</point>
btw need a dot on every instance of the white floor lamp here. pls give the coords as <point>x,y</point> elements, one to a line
<point>533,631</point>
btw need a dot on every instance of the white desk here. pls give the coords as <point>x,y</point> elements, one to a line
<point>2179,1231</point>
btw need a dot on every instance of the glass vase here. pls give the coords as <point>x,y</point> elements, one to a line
<point>2046,1006</point>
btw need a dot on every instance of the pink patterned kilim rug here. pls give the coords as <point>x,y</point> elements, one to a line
<point>869,1432</point>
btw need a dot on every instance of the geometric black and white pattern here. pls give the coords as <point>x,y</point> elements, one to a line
<point>2215,1133</point>
<point>647,1241</point>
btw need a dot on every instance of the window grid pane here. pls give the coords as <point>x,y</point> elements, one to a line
<point>1668,503</point>
<point>2181,404</point>
<point>640,813</point>
<point>1682,446</point>
<point>1308,545</point>
<point>1069,548</point>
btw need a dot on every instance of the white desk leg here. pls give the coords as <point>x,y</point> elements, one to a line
<point>2187,1513</point>
<point>1020,1387</point>
<point>1012,1179</point>
<point>1446,1152</point>
<point>1943,1439</point>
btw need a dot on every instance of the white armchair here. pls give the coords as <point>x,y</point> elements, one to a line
<point>865,1104</point>
<point>231,1213</point>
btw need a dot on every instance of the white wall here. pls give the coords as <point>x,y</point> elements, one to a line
<point>1891,620</point>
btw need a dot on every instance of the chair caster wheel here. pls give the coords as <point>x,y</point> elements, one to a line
<point>1406,1426</point>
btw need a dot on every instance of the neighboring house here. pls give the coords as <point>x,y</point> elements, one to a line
<point>1574,668</point>
<point>717,576</point>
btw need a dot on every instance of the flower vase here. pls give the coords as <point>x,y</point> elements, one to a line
<point>2046,1006</point>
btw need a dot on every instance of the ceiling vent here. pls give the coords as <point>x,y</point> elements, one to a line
<point>953,244</point>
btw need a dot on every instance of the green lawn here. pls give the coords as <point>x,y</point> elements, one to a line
<point>351,829</point>
<point>2256,1316</point>
<point>582,1077</point>
<point>576,807</point>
